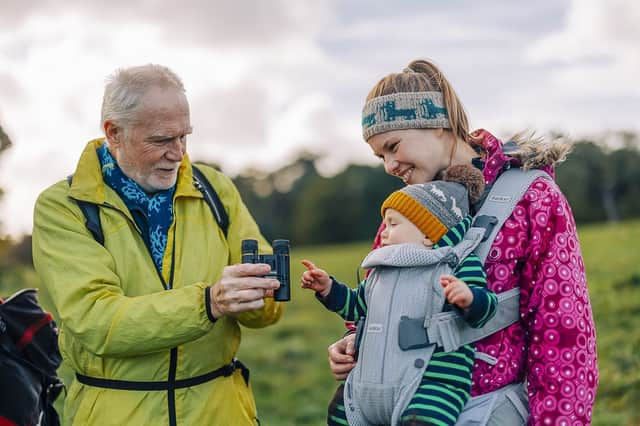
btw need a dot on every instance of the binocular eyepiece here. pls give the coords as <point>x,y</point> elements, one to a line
<point>279,262</point>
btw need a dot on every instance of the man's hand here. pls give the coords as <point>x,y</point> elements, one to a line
<point>315,279</point>
<point>241,289</point>
<point>456,291</point>
<point>341,360</point>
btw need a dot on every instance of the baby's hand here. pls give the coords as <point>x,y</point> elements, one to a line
<point>315,279</point>
<point>456,291</point>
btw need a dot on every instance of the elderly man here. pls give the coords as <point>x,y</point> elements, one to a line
<point>150,316</point>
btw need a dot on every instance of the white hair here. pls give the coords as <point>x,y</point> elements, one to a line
<point>126,87</point>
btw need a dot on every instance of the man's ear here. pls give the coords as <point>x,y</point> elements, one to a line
<point>112,132</point>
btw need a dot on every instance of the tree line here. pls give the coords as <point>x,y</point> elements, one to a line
<point>602,183</point>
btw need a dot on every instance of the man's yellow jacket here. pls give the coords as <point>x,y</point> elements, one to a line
<point>117,320</point>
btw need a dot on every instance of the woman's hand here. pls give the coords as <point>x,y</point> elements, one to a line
<point>341,356</point>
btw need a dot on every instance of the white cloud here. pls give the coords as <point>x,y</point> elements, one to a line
<point>269,79</point>
<point>55,65</point>
<point>597,50</point>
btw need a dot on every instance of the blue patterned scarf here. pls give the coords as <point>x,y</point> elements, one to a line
<point>153,214</point>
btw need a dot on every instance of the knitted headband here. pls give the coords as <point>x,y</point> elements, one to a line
<point>405,110</point>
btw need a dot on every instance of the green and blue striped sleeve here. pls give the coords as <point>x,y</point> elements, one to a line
<point>485,302</point>
<point>347,302</point>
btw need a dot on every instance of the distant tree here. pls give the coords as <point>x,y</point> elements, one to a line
<point>625,177</point>
<point>583,179</point>
<point>343,208</point>
<point>602,183</point>
<point>271,197</point>
<point>296,202</point>
<point>19,253</point>
<point>5,143</point>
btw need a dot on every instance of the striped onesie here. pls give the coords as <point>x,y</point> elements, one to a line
<point>446,384</point>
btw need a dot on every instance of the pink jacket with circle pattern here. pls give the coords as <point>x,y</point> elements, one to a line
<point>554,344</point>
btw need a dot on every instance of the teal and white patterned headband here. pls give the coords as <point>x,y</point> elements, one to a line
<point>406,110</point>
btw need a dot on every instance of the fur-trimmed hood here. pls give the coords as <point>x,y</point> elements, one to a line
<point>526,151</point>
<point>534,152</point>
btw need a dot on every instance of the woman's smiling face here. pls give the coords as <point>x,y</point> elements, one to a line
<point>414,155</point>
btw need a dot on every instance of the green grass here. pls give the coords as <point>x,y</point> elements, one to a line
<point>612,259</point>
<point>288,361</point>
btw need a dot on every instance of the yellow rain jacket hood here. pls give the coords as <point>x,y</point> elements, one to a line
<point>118,322</point>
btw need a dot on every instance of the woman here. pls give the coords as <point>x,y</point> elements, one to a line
<point>416,124</point>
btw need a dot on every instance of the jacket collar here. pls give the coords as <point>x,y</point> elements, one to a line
<point>497,158</point>
<point>495,161</point>
<point>88,184</point>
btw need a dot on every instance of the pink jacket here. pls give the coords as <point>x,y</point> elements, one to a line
<point>538,250</point>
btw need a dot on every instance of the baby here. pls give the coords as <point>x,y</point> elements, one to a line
<point>400,377</point>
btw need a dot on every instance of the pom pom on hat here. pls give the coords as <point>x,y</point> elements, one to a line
<point>469,176</point>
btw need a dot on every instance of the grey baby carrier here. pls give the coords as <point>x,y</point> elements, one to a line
<point>405,320</point>
<point>403,293</point>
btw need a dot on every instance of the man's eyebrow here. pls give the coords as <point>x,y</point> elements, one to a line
<point>161,136</point>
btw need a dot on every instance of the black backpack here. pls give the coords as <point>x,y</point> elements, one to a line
<point>92,214</point>
<point>29,358</point>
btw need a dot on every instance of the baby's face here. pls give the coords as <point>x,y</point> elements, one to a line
<point>400,230</point>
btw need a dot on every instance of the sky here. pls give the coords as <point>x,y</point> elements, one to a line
<point>267,80</point>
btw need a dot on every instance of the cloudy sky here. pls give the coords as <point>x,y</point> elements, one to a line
<point>267,79</point>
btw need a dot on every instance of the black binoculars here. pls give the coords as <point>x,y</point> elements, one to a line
<point>279,262</point>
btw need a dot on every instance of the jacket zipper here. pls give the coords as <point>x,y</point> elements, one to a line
<point>173,355</point>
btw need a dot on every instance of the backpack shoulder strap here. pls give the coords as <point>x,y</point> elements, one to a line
<point>499,203</point>
<point>91,214</point>
<point>211,198</point>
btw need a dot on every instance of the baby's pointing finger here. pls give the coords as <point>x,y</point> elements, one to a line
<point>308,264</point>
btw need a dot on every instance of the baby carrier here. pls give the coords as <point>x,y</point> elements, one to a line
<point>405,323</point>
<point>403,293</point>
<point>29,357</point>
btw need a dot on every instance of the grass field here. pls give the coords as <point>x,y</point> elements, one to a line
<point>289,370</point>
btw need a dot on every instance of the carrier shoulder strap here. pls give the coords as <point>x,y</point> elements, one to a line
<point>91,211</point>
<point>504,195</point>
<point>448,329</point>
